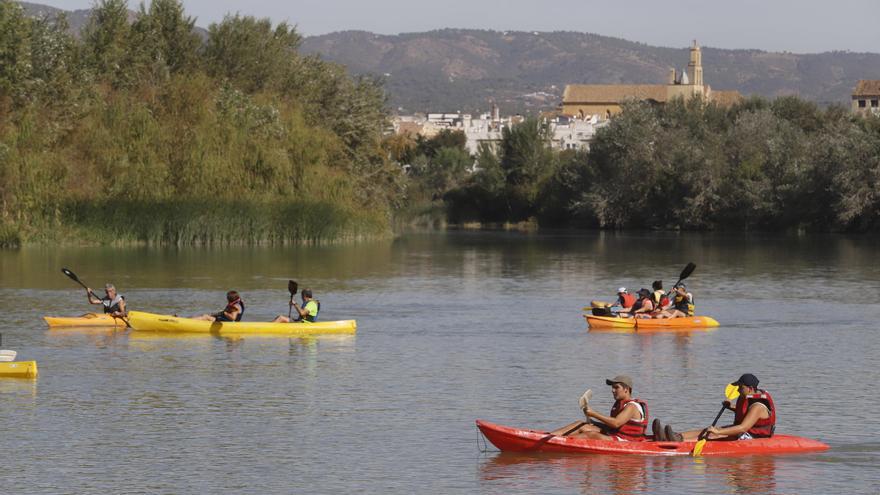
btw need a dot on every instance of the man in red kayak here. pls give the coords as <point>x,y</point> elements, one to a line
<point>755,417</point>
<point>627,422</point>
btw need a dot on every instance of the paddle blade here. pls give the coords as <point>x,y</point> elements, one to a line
<point>698,448</point>
<point>70,274</point>
<point>687,271</point>
<point>292,287</point>
<point>585,399</point>
<point>731,391</point>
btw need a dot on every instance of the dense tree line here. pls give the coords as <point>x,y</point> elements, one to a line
<point>758,165</point>
<point>144,131</point>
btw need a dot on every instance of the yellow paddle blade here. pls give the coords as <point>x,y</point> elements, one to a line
<point>731,391</point>
<point>698,448</point>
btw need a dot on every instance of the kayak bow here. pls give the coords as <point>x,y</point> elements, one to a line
<point>86,320</point>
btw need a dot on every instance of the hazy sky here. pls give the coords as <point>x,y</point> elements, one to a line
<point>792,25</point>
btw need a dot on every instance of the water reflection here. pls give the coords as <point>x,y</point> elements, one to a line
<point>17,388</point>
<point>621,475</point>
<point>454,326</point>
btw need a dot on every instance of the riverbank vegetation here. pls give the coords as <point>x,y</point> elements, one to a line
<point>784,164</point>
<point>143,131</point>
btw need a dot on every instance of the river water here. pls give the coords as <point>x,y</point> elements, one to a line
<point>452,327</point>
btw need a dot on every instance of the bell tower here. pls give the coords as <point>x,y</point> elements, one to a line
<point>695,66</point>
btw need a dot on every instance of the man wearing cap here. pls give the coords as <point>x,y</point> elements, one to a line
<point>113,303</point>
<point>627,422</point>
<point>643,307</point>
<point>682,303</point>
<point>624,299</point>
<point>755,416</point>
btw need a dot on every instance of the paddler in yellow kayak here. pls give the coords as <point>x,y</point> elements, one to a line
<point>233,311</point>
<point>308,312</point>
<point>627,422</point>
<point>113,303</point>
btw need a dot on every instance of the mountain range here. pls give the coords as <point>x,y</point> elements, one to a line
<point>466,69</point>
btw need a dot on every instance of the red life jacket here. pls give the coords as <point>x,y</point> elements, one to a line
<point>627,300</point>
<point>634,429</point>
<point>763,427</point>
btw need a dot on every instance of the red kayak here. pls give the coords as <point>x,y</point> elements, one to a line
<point>509,439</point>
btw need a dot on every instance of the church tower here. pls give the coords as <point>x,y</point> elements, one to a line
<point>695,66</point>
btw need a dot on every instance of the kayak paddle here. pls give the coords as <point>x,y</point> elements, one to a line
<point>292,286</point>
<point>686,272</point>
<point>731,392</point>
<point>77,280</point>
<point>80,282</point>
<point>584,401</point>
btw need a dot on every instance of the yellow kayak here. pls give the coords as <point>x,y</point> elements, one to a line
<point>163,323</point>
<point>18,369</point>
<point>86,320</point>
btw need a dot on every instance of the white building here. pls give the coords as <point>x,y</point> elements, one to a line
<point>567,132</point>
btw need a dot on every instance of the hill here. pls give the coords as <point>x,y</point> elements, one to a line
<point>465,69</point>
<point>76,18</point>
<point>462,69</point>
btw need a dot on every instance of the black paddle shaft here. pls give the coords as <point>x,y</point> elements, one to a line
<point>705,433</point>
<point>579,425</point>
<point>77,280</point>
<point>292,287</point>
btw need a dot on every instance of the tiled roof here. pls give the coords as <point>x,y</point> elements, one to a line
<point>867,87</point>
<point>411,128</point>
<point>612,93</point>
<point>725,98</point>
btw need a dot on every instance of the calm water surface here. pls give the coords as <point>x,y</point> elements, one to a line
<point>451,327</point>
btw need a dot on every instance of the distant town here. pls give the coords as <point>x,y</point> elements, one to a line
<point>585,108</point>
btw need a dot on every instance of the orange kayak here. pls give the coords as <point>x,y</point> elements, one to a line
<point>509,439</point>
<point>649,324</point>
<point>86,320</point>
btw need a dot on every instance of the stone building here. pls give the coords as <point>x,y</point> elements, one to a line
<point>866,97</point>
<point>606,100</point>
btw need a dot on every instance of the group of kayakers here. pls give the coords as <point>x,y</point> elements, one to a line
<point>114,305</point>
<point>754,417</point>
<point>655,303</point>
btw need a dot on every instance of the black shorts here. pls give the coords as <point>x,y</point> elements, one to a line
<point>221,317</point>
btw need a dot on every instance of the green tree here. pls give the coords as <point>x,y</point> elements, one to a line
<point>250,52</point>
<point>446,170</point>
<point>106,41</point>
<point>15,53</point>
<point>163,39</point>
<point>623,154</point>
